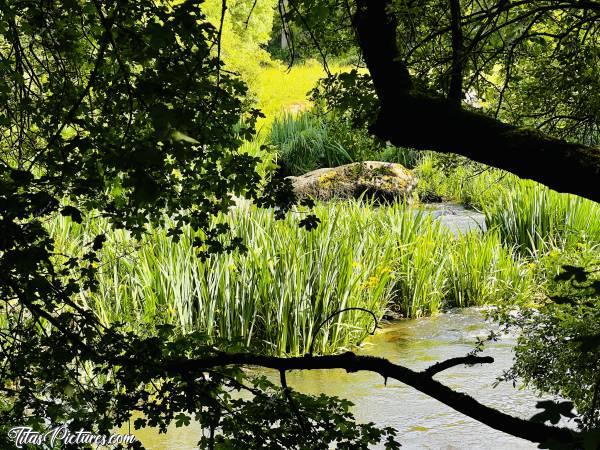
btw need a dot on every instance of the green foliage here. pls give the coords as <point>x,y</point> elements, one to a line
<point>483,271</point>
<point>535,218</point>
<point>436,271</point>
<point>360,145</point>
<point>350,94</point>
<point>455,179</point>
<point>246,29</point>
<point>315,422</point>
<point>304,144</point>
<point>399,155</point>
<point>122,110</point>
<point>558,350</point>
<point>271,297</point>
<point>279,89</point>
<point>312,31</point>
<point>554,89</point>
<point>527,215</point>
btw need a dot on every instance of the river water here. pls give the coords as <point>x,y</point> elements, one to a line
<point>422,423</point>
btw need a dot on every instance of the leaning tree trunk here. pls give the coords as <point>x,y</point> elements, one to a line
<point>409,119</point>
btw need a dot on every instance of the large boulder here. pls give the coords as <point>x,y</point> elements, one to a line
<point>381,181</point>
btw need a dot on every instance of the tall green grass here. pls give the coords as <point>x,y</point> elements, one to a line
<point>303,143</point>
<point>536,219</point>
<point>484,271</point>
<point>527,215</point>
<point>310,140</point>
<point>274,296</point>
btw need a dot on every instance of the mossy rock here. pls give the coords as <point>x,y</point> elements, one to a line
<point>381,181</point>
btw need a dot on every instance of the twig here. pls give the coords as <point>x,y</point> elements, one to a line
<point>335,313</point>
<point>288,395</point>
<point>452,362</point>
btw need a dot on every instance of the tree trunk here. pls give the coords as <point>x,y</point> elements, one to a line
<point>284,28</point>
<point>423,122</point>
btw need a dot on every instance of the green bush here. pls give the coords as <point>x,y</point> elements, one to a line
<point>558,349</point>
<point>359,143</point>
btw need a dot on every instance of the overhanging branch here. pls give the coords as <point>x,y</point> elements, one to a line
<point>453,362</point>
<point>421,381</point>
<point>407,119</point>
<point>426,123</point>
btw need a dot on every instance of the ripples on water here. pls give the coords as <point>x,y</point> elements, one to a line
<point>422,423</point>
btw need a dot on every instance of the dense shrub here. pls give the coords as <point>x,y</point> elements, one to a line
<point>558,349</point>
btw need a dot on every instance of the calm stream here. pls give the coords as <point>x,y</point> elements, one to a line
<point>423,423</point>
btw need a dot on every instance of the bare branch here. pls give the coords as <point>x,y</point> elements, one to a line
<point>335,313</point>
<point>423,382</point>
<point>453,362</point>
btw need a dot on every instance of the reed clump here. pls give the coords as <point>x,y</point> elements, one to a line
<point>273,296</point>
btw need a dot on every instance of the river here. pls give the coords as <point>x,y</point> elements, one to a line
<point>422,423</point>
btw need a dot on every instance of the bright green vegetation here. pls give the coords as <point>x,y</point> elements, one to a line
<point>537,219</point>
<point>303,143</point>
<point>279,89</point>
<point>312,139</point>
<point>275,295</point>
<point>452,178</point>
<point>527,215</point>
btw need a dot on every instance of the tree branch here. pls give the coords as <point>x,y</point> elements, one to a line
<point>453,362</point>
<point>376,32</point>
<point>423,122</point>
<point>302,423</point>
<point>421,381</point>
<point>455,92</point>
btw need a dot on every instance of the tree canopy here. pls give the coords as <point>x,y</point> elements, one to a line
<point>126,111</point>
<point>510,84</point>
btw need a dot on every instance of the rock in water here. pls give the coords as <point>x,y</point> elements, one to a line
<point>381,181</point>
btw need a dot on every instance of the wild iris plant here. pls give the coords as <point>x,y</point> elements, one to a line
<point>289,280</point>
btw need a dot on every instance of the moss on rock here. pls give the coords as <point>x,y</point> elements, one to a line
<point>381,181</point>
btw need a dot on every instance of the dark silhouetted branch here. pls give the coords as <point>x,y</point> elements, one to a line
<point>453,362</point>
<point>421,381</point>
<point>302,423</point>
<point>335,313</point>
